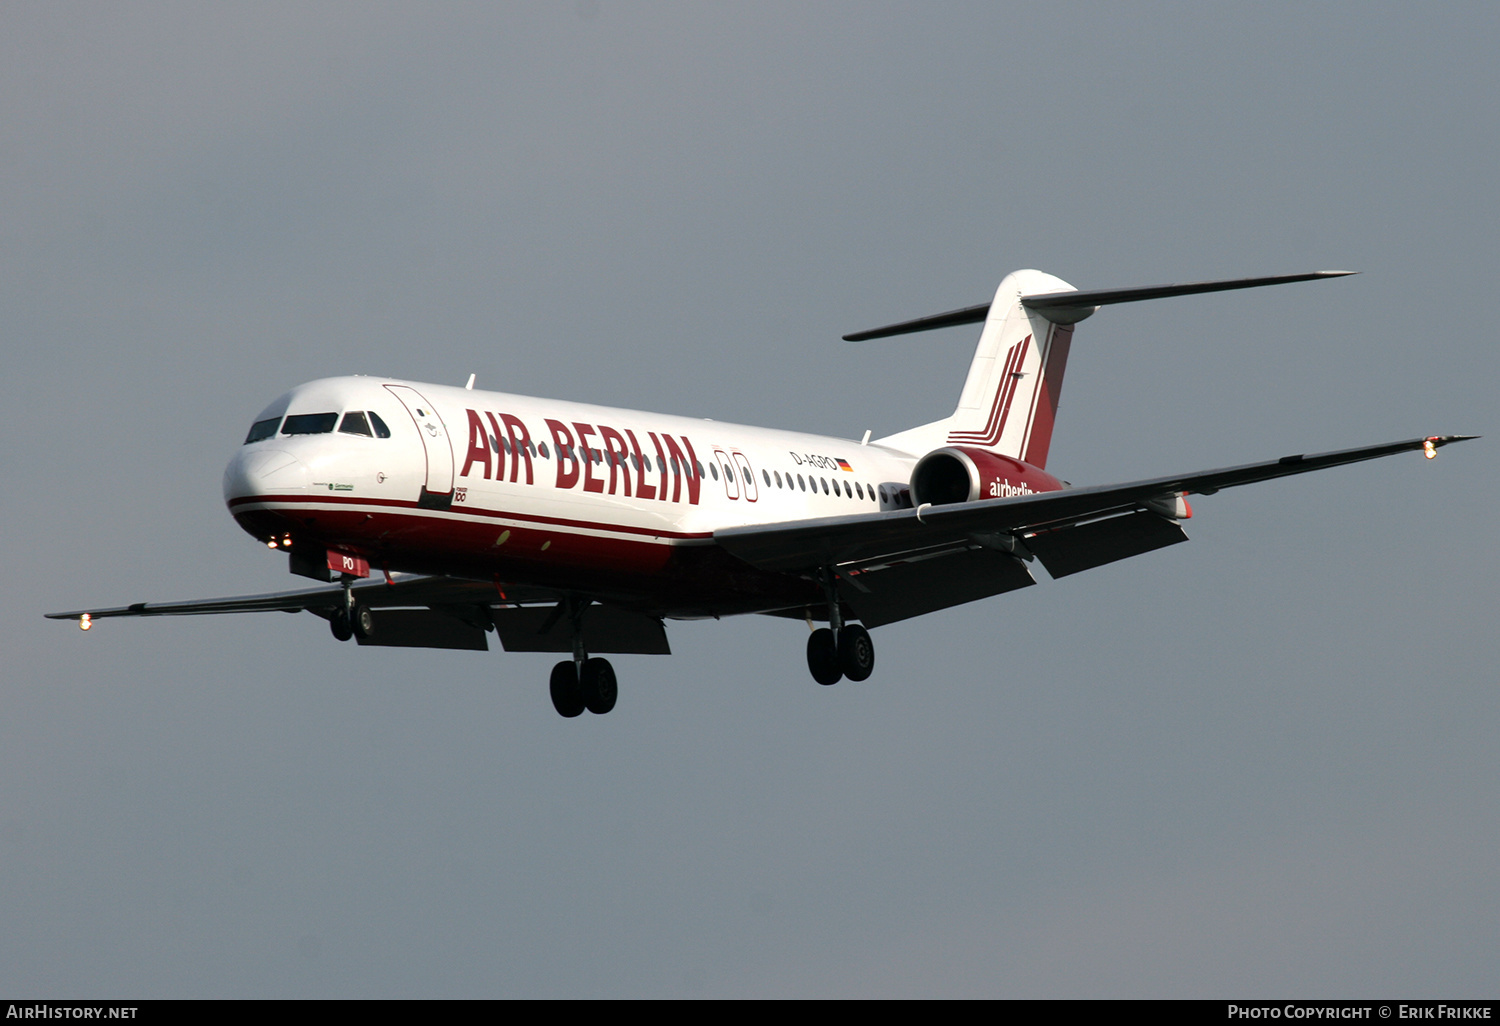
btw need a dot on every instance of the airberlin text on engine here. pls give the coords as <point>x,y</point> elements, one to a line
<point>594,457</point>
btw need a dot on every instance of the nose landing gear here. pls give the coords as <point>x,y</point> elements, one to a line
<point>352,618</point>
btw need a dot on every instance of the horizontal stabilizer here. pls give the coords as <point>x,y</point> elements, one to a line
<point>951,319</point>
<point>1071,307</point>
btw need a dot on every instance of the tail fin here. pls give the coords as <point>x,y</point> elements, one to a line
<point>1009,401</point>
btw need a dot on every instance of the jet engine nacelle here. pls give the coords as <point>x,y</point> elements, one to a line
<point>963,474</point>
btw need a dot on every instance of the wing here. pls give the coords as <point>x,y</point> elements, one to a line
<point>374,592</point>
<point>904,562</point>
<point>452,613</point>
<point>437,612</point>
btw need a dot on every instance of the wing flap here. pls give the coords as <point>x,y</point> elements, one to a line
<point>424,628</point>
<point>607,630</point>
<point>1070,550</point>
<point>902,590</point>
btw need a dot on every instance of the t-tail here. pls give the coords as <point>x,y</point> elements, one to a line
<point>1010,398</point>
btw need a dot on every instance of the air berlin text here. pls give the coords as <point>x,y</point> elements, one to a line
<point>593,457</point>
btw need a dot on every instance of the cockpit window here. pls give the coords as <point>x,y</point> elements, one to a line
<point>381,431</point>
<point>309,424</point>
<point>262,429</point>
<point>355,423</point>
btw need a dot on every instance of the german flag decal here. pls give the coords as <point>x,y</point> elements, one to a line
<point>843,465</point>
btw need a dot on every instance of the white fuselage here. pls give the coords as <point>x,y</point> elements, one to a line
<point>486,484</point>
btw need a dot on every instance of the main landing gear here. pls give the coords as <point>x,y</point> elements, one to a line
<point>590,686</point>
<point>840,650</point>
<point>582,683</point>
<point>849,653</point>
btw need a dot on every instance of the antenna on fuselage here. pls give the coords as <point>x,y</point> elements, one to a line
<point>470,385</point>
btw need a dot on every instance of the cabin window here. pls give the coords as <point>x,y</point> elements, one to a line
<point>309,424</point>
<point>766,475</point>
<point>355,423</point>
<point>860,489</point>
<point>825,484</point>
<point>800,483</point>
<point>542,448</point>
<point>714,471</point>
<point>262,429</point>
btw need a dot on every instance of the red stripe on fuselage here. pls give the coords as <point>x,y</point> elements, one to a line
<point>466,511</point>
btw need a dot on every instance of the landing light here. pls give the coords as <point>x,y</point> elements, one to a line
<point>271,544</point>
<point>1429,448</point>
<point>85,622</point>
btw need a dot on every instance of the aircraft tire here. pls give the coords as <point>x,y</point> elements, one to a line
<point>823,657</point>
<point>338,623</point>
<point>567,697</point>
<point>598,686</point>
<point>363,621</point>
<point>856,652</point>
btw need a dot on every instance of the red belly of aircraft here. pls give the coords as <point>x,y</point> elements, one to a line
<point>649,573</point>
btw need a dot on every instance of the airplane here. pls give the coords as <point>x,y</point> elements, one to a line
<point>579,529</point>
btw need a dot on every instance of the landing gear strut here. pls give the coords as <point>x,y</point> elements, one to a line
<point>840,649</point>
<point>582,683</point>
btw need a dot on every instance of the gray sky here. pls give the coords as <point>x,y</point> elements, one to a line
<point>1261,763</point>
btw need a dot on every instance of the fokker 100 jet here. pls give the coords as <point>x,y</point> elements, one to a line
<point>436,515</point>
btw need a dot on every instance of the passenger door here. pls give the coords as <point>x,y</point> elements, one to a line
<point>437,491</point>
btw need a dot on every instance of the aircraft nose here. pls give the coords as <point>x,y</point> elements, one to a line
<point>263,472</point>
